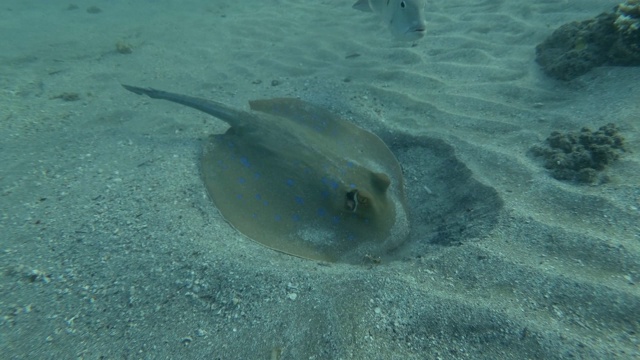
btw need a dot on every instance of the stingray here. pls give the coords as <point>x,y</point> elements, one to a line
<point>298,179</point>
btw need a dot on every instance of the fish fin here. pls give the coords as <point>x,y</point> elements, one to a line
<point>362,5</point>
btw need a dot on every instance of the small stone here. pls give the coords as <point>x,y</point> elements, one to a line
<point>292,296</point>
<point>94,10</point>
<point>67,96</point>
<point>124,47</point>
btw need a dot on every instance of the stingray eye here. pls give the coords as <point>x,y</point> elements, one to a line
<point>356,201</point>
<point>403,4</point>
<point>352,200</point>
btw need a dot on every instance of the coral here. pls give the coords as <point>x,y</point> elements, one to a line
<point>628,17</point>
<point>581,156</point>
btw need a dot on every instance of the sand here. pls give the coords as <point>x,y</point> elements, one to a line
<point>111,249</point>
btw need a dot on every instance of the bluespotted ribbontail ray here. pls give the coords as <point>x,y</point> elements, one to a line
<point>404,18</point>
<point>296,178</point>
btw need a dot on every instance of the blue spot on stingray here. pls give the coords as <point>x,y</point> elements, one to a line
<point>258,197</point>
<point>299,200</point>
<point>322,212</point>
<point>244,161</point>
<point>277,218</point>
<point>330,183</point>
<point>353,186</point>
<point>349,164</point>
<point>256,176</point>
<point>242,180</point>
<point>239,196</point>
<point>295,217</point>
<point>350,237</point>
<point>335,219</point>
<point>324,194</point>
<point>254,215</point>
<point>290,182</point>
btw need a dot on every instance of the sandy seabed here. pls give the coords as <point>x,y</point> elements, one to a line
<point>110,248</point>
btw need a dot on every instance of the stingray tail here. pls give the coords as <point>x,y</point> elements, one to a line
<point>219,110</point>
<point>362,5</point>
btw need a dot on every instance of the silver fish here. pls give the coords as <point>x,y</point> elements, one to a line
<point>405,18</point>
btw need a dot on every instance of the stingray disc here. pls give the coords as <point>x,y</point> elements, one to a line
<point>297,179</point>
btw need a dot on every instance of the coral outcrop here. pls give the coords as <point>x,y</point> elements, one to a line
<point>581,156</point>
<point>608,39</point>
